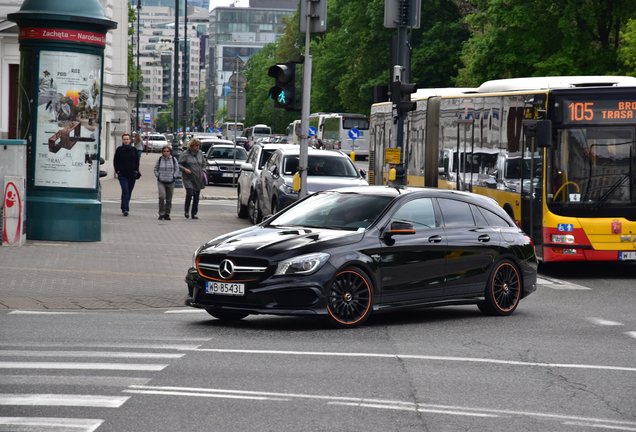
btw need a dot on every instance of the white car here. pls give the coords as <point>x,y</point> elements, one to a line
<point>155,141</point>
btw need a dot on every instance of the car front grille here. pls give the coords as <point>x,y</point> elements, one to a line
<point>232,269</point>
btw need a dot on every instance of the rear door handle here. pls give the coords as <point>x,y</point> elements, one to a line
<point>484,238</point>
<point>435,239</point>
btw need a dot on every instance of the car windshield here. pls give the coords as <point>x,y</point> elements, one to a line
<point>238,153</point>
<point>317,165</point>
<point>334,210</point>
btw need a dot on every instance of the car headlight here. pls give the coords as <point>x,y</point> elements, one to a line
<point>302,265</point>
<point>213,167</point>
<point>194,256</point>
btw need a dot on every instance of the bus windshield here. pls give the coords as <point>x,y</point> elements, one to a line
<point>593,168</point>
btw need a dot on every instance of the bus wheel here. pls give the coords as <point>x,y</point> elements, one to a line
<point>503,290</point>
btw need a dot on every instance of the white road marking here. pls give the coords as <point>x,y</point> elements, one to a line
<point>599,426</point>
<point>62,400</point>
<point>378,404</point>
<point>177,347</point>
<point>84,354</point>
<point>631,334</point>
<point>423,410</point>
<point>54,424</point>
<point>420,357</point>
<point>206,395</point>
<point>604,322</point>
<point>33,312</point>
<point>188,310</point>
<point>74,380</point>
<point>83,366</point>
<point>558,284</point>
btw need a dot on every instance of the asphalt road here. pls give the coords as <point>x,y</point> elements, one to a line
<point>565,361</point>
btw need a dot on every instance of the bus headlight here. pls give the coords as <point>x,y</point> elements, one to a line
<point>563,238</point>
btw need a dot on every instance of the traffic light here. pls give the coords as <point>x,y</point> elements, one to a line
<point>401,98</point>
<point>284,88</point>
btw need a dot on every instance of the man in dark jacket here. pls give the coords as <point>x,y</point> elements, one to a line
<point>126,165</point>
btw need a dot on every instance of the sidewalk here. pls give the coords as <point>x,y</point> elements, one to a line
<point>146,186</point>
<point>140,262</point>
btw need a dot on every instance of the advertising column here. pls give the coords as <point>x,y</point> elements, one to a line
<point>61,77</point>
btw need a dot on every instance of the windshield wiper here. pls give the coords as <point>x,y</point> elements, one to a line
<point>618,183</point>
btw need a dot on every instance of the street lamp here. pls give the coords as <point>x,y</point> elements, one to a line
<point>138,69</point>
<point>175,90</point>
<point>186,71</point>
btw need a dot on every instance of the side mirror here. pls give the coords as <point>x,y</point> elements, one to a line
<point>246,166</point>
<point>102,173</point>
<point>363,173</point>
<point>541,130</point>
<point>398,228</point>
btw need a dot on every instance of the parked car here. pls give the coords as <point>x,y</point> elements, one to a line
<point>248,179</point>
<point>325,170</point>
<point>224,162</point>
<point>207,142</point>
<point>347,253</point>
<point>155,141</point>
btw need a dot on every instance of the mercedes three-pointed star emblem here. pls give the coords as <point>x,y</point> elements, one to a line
<point>226,269</point>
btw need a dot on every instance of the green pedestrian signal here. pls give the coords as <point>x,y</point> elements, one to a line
<point>284,87</point>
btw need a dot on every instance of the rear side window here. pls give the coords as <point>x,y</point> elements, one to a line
<point>456,213</point>
<point>492,218</point>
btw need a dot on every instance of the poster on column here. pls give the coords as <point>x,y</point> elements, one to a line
<point>67,139</point>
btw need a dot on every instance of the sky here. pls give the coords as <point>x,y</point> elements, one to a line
<point>239,3</point>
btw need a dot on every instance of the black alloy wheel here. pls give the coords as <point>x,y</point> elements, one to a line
<point>241,210</point>
<point>253,212</point>
<point>227,316</point>
<point>350,298</point>
<point>503,290</point>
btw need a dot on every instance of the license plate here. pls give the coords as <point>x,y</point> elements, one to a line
<point>225,288</point>
<point>228,175</point>
<point>627,256</point>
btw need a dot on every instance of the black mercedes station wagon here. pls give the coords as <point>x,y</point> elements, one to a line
<point>347,253</point>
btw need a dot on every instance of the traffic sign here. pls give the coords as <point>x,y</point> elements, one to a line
<point>312,131</point>
<point>147,118</point>
<point>354,133</point>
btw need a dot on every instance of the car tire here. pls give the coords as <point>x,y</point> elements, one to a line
<point>241,210</point>
<point>253,212</point>
<point>350,298</point>
<point>227,316</point>
<point>503,290</point>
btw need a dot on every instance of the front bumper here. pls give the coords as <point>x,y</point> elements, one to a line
<point>273,296</point>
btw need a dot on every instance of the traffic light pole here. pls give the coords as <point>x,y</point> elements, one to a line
<point>403,76</point>
<point>304,113</point>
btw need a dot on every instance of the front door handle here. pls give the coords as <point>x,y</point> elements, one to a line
<point>435,239</point>
<point>484,238</point>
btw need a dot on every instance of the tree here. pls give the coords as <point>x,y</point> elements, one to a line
<point>513,38</point>
<point>627,50</point>
<point>134,74</point>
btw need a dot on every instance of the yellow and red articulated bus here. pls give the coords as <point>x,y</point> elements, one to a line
<point>557,153</point>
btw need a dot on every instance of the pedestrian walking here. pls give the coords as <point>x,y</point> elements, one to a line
<point>192,163</point>
<point>139,145</point>
<point>167,171</point>
<point>126,164</point>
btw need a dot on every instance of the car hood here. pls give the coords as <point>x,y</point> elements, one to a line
<point>227,161</point>
<point>320,183</point>
<point>270,241</point>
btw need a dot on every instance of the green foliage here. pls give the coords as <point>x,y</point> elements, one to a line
<point>135,77</point>
<point>459,43</point>
<point>627,50</point>
<point>514,38</point>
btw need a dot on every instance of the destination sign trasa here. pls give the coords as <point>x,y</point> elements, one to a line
<point>598,111</point>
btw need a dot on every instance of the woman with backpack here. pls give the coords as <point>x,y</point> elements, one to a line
<point>167,171</point>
